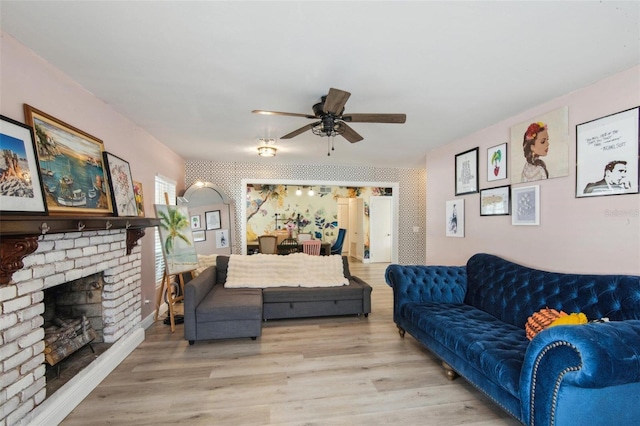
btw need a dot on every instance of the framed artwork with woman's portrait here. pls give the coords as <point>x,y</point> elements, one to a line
<point>540,147</point>
<point>607,152</point>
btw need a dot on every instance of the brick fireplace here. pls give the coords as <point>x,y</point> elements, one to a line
<point>58,259</point>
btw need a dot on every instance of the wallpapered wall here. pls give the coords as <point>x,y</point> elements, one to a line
<point>411,192</point>
<point>316,214</point>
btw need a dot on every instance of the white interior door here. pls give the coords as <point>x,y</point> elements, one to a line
<point>381,229</point>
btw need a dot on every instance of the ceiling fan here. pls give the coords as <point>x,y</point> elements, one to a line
<point>332,119</point>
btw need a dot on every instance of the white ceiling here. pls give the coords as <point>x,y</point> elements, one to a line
<point>191,72</point>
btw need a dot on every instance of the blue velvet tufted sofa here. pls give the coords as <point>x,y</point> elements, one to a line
<point>473,318</point>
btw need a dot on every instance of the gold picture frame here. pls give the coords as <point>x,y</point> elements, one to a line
<point>74,176</point>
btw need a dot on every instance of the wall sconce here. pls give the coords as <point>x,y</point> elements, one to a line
<point>266,148</point>
<point>298,192</point>
<point>310,192</point>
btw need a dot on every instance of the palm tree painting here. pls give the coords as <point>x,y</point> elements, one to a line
<point>177,240</point>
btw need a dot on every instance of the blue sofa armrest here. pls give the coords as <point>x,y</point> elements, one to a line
<point>589,372</point>
<point>194,291</point>
<point>423,283</point>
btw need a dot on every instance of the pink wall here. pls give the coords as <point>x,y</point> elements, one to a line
<point>587,235</point>
<point>27,78</point>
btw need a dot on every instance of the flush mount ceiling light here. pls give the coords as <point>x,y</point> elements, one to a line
<point>266,148</point>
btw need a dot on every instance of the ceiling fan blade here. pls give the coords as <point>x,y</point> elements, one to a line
<point>291,114</point>
<point>350,134</point>
<point>300,130</point>
<point>375,118</point>
<point>334,103</point>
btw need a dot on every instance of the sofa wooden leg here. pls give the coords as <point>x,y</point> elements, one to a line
<point>254,338</point>
<point>191,342</point>
<point>401,331</point>
<point>451,375</point>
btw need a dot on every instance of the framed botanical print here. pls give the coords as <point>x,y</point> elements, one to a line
<point>124,199</point>
<point>21,190</point>
<point>607,152</point>
<point>70,160</point>
<point>497,162</point>
<point>525,205</point>
<point>466,167</point>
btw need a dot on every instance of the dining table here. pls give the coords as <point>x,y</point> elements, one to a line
<point>253,248</point>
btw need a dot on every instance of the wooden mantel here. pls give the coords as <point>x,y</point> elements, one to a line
<point>19,234</point>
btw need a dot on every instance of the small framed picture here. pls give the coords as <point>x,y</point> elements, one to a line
<point>212,219</point>
<point>607,152</point>
<point>222,238</point>
<point>195,222</point>
<point>525,205</point>
<point>455,218</point>
<point>21,191</point>
<point>199,236</point>
<point>119,172</point>
<point>497,162</point>
<point>495,201</point>
<point>137,191</point>
<point>467,172</point>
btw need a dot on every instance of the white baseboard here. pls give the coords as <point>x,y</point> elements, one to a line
<point>58,406</point>
<point>149,320</point>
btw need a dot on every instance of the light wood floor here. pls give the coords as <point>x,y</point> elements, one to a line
<point>329,371</point>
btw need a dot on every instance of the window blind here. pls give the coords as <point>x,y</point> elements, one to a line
<point>162,185</point>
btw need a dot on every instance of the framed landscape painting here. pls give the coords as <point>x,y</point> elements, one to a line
<point>21,189</point>
<point>74,177</point>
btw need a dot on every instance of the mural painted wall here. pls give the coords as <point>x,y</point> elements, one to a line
<point>279,207</point>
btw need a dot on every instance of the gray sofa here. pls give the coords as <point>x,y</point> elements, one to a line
<point>212,311</point>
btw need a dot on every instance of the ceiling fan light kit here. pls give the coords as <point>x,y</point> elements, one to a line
<point>266,148</point>
<point>332,120</point>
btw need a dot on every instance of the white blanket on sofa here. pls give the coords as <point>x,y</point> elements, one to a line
<point>293,270</point>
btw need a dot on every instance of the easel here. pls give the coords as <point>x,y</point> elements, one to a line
<point>166,284</point>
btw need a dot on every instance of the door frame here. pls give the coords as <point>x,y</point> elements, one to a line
<point>395,187</point>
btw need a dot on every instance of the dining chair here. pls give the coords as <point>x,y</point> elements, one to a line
<point>302,237</point>
<point>288,246</point>
<point>312,247</point>
<point>267,244</point>
<point>336,248</point>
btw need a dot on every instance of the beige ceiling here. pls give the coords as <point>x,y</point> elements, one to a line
<point>191,72</point>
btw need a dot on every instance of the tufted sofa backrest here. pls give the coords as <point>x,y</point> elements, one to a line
<point>513,292</point>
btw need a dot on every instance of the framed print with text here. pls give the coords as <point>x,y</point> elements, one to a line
<point>607,152</point>
<point>212,219</point>
<point>466,167</point>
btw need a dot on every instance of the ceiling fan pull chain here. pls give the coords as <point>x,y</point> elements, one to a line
<point>328,151</point>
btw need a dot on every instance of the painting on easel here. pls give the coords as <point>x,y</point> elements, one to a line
<point>177,239</point>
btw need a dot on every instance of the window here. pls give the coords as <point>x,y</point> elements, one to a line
<point>164,186</point>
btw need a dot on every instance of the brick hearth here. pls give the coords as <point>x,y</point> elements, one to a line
<point>61,258</point>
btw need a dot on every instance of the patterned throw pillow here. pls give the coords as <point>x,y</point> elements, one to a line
<point>204,261</point>
<point>541,320</point>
